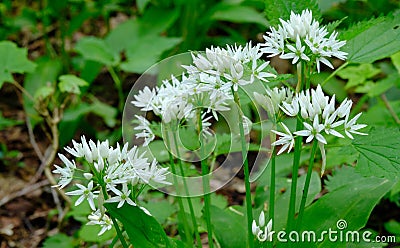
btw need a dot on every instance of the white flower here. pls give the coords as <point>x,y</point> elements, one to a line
<point>157,174</point>
<point>313,131</point>
<point>291,109</point>
<point>302,38</point>
<point>257,230</point>
<point>296,52</point>
<point>286,139</point>
<point>101,219</point>
<point>352,127</point>
<point>66,175</point>
<point>344,108</point>
<point>144,99</point>
<point>257,71</point>
<point>330,124</point>
<point>122,196</point>
<point>84,193</point>
<point>146,132</point>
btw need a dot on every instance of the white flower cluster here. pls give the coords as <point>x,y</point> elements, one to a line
<point>302,38</point>
<point>319,115</point>
<point>113,174</point>
<point>233,66</point>
<point>257,230</point>
<point>207,85</point>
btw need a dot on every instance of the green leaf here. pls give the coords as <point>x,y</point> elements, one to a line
<point>358,75</point>
<point>141,5</point>
<point>379,153</point>
<point>89,233</point>
<point>105,111</point>
<point>229,227</point>
<point>393,226</point>
<point>396,61</point>
<point>44,92</point>
<point>96,49</point>
<point>341,177</point>
<point>46,73</point>
<point>359,27</point>
<point>383,85</point>
<point>142,55</point>
<point>13,60</point>
<point>366,48</point>
<point>161,210</point>
<point>275,9</point>
<point>71,83</point>
<point>238,14</point>
<point>59,240</point>
<point>143,230</point>
<point>352,202</point>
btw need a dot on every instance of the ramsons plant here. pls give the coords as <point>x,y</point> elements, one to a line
<point>222,80</point>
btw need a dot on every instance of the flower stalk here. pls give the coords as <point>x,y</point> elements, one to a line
<point>307,183</point>
<point>249,211</point>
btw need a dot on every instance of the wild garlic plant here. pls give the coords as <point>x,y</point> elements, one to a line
<point>209,85</point>
<point>107,175</point>
<point>320,119</point>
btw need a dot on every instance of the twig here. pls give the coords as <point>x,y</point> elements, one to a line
<point>32,139</point>
<point>23,191</point>
<point>389,107</point>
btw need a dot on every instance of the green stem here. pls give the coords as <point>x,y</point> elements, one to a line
<point>118,85</point>
<point>249,209</point>
<point>115,223</point>
<point>189,201</point>
<point>272,190</point>
<point>119,232</point>
<point>181,213</point>
<point>334,73</point>
<point>307,183</point>
<point>206,184</point>
<point>295,172</point>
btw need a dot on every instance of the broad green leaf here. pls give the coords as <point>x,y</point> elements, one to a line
<point>141,5</point>
<point>13,60</point>
<point>396,61</point>
<point>157,20</point>
<point>96,49</point>
<point>229,227</point>
<point>358,75</point>
<point>352,202</point>
<point>360,27</point>
<point>89,233</point>
<point>146,52</point>
<point>120,38</point>
<point>341,177</point>
<point>143,230</point>
<point>161,210</point>
<point>105,111</point>
<point>366,48</point>
<point>393,226</point>
<point>71,83</point>
<point>379,153</point>
<point>275,9</point>
<point>135,31</point>
<point>59,240</point>
<point>238,14</point>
